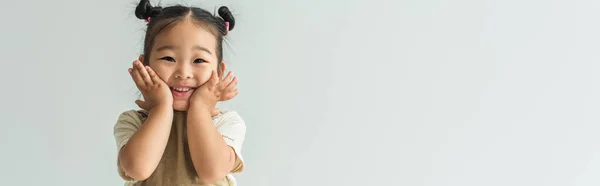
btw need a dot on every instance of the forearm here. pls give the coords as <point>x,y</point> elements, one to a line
<point>211,156</point>
<point>140,157</point>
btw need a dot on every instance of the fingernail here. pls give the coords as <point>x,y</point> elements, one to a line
<point>130,70</point>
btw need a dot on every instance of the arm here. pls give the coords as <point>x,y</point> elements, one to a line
<point>213,159</point>
<point>142,153</point>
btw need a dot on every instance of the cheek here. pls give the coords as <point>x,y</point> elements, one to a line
<point>203,74</point>
<point>162,72</point>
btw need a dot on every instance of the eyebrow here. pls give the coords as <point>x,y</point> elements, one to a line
<point>170,47</point>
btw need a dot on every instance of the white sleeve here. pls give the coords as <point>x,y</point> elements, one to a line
<point>233,130</point>
<point>127,124</point>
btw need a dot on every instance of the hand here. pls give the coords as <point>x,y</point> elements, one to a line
<point>214,112</point>
<point>155,90</point>
<point>208,94</point>
<point>227,91</point>
<point>227,87</point>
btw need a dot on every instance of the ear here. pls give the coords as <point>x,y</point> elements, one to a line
<point>141,58</point>
<point>221,68</point>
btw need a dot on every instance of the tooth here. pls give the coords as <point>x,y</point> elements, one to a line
<point>182,89</point>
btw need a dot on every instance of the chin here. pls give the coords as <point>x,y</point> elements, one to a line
<point>180,105</point>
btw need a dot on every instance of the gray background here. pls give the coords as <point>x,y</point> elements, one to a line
<point>336,92</point>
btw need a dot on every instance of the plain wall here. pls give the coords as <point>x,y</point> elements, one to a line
<point>333,92</point>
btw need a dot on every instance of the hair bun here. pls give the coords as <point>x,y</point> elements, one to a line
<point>144,10</point>
<point>227,16</point>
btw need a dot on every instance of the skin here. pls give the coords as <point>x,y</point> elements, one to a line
<point>183,58</point>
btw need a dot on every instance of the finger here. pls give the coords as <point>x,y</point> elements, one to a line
<point>235,92</point>
<point>225,81</point>
<point>215,111</point>
<point>229,95</point>
<point>143,73</point>
<point>232,94</point>
<point>137,79</point>
<point>141,104</point>
<point>232,84</point>
<point>223,70</point>
<point>214,79</point>
<point>153,76</point>
<point>230,89</point>
<point>228,77</point>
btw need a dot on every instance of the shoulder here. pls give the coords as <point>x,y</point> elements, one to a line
<point>127,124</point>
<point>131,117</point>
<point>229,117</point>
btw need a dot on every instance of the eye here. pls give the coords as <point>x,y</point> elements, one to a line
<point>200,61</point>
<point>168,58</point>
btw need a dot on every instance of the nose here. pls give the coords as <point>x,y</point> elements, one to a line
<point>184,71</point>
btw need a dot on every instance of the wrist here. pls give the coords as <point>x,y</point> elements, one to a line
<point>199,106</point>
<point>162,111</point>
<point>163,107</point>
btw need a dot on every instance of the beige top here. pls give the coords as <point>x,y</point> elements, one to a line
<point>176,166</point>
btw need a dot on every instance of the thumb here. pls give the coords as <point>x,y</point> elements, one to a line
<point>141,104</point>
<point>214,78</point>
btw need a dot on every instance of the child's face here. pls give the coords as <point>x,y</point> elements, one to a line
<point>184,57</point>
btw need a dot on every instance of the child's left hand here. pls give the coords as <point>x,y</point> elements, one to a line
<point>227,86</point>
<point>214,90</point>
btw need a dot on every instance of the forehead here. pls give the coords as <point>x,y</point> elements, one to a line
<point>187,34</point>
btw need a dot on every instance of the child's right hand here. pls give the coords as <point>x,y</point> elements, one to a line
<point>155,90</point>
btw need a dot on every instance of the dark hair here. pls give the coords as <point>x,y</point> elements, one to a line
<point>160,19</point>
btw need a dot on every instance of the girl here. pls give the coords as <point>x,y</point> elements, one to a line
<point>179,137</point>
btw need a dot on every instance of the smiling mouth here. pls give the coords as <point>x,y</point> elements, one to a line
<point>182,89</point>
